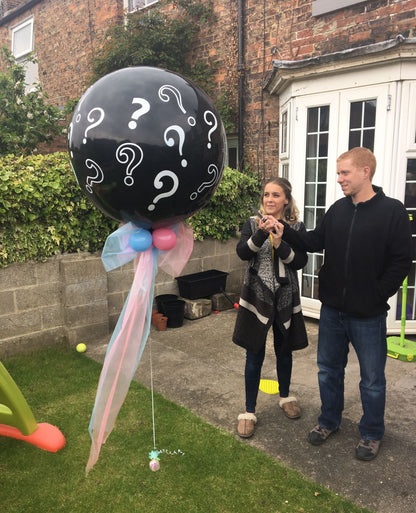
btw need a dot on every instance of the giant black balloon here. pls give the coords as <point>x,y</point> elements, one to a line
<point>147,146</point>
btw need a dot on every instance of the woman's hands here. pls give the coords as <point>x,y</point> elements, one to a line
<point>271,226</point>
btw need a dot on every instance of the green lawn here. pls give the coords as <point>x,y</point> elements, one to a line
<point>216,473</point>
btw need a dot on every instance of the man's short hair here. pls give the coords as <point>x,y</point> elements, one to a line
<point>361,157</point>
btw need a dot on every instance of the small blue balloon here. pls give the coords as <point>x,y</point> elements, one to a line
<point>140,240</point>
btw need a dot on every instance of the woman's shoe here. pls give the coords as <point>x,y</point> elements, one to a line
<point>290,407</point>
<point>246,423</point>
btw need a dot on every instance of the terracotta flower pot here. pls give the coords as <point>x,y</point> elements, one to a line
<point>161,322</point>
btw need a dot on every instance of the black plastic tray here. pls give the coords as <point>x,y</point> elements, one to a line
<point>203,284</point>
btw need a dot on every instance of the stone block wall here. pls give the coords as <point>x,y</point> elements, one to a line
<point>70,298</point>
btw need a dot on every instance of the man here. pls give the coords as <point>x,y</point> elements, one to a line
<point>368,253</point>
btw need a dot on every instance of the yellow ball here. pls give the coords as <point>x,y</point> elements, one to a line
<point>81,348</point>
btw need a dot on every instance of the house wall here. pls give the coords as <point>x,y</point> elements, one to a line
<point>70,298</point>
<point>68,33</point>
<point>288,31</point>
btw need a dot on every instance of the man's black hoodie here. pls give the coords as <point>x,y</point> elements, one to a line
<point>368,253</point>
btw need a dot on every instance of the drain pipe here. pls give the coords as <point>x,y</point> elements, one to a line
<point>240,70</point>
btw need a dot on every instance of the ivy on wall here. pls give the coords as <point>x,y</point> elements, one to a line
<point>44,212</point>
<point>228,208</point>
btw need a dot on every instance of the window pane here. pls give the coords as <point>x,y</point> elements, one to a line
<point>323,145</point>
<point>320,198</point>
<point>370,113</point>
<point>411,169</point>
<point>368,139</point>
<point>355,115</point>
<point>22,40</point>
<point>322,170</point>
<point>310,194</point>
<point>284,133</point>
<point>313,119</point>
<point>312,146</point>
<point>310,171</point>
<point>324,119</point>
<point>306,286</point>
<point>355,140</point>
<point>309,218</point>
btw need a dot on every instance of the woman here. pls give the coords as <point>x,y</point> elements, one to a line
<point>270,297</point>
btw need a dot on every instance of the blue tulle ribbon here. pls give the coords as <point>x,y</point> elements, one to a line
<point>130,335</point>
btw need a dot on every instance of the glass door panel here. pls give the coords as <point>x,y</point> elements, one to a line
<point>410,204</point>
<point>316,171</point>
<point>313,176</point>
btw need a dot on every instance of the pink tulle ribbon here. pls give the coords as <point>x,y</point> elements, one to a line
<point>132,330</point>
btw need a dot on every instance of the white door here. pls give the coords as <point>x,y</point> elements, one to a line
<point>403,179</point>
<point>323,127</point>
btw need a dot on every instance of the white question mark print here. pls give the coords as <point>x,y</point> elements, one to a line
<point>210,123</point>
<point>165,97</point>
<point>176,93</point>
<point>144,109</point>
<point>90,118</point>
<point>159,184</point>
<point>127,153</point>
<point>99,175</point>
<point>212,168</point>
<point>171,142</point>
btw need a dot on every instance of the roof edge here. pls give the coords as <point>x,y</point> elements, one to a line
<point>9,16</point>
<point>284,71</point>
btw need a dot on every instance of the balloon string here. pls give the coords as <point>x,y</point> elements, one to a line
<point>151,390</point>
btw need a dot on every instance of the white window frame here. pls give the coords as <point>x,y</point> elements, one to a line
<point>15,30</point>
<point>133,5</point>
<point>320,7</point>
<point>285,111</point>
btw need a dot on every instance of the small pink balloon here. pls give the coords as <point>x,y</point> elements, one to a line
<point>164,239</point>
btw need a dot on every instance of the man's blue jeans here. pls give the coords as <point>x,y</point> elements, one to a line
<point>368,337</point>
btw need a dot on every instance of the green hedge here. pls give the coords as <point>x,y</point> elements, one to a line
<point>43,211</point>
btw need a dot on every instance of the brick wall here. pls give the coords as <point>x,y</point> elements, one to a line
<point>287,31</point>
<point>67,35</point>
<point>71,299</point>
<point>69,32</point>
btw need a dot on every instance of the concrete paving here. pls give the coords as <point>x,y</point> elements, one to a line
<point>198,366</point>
